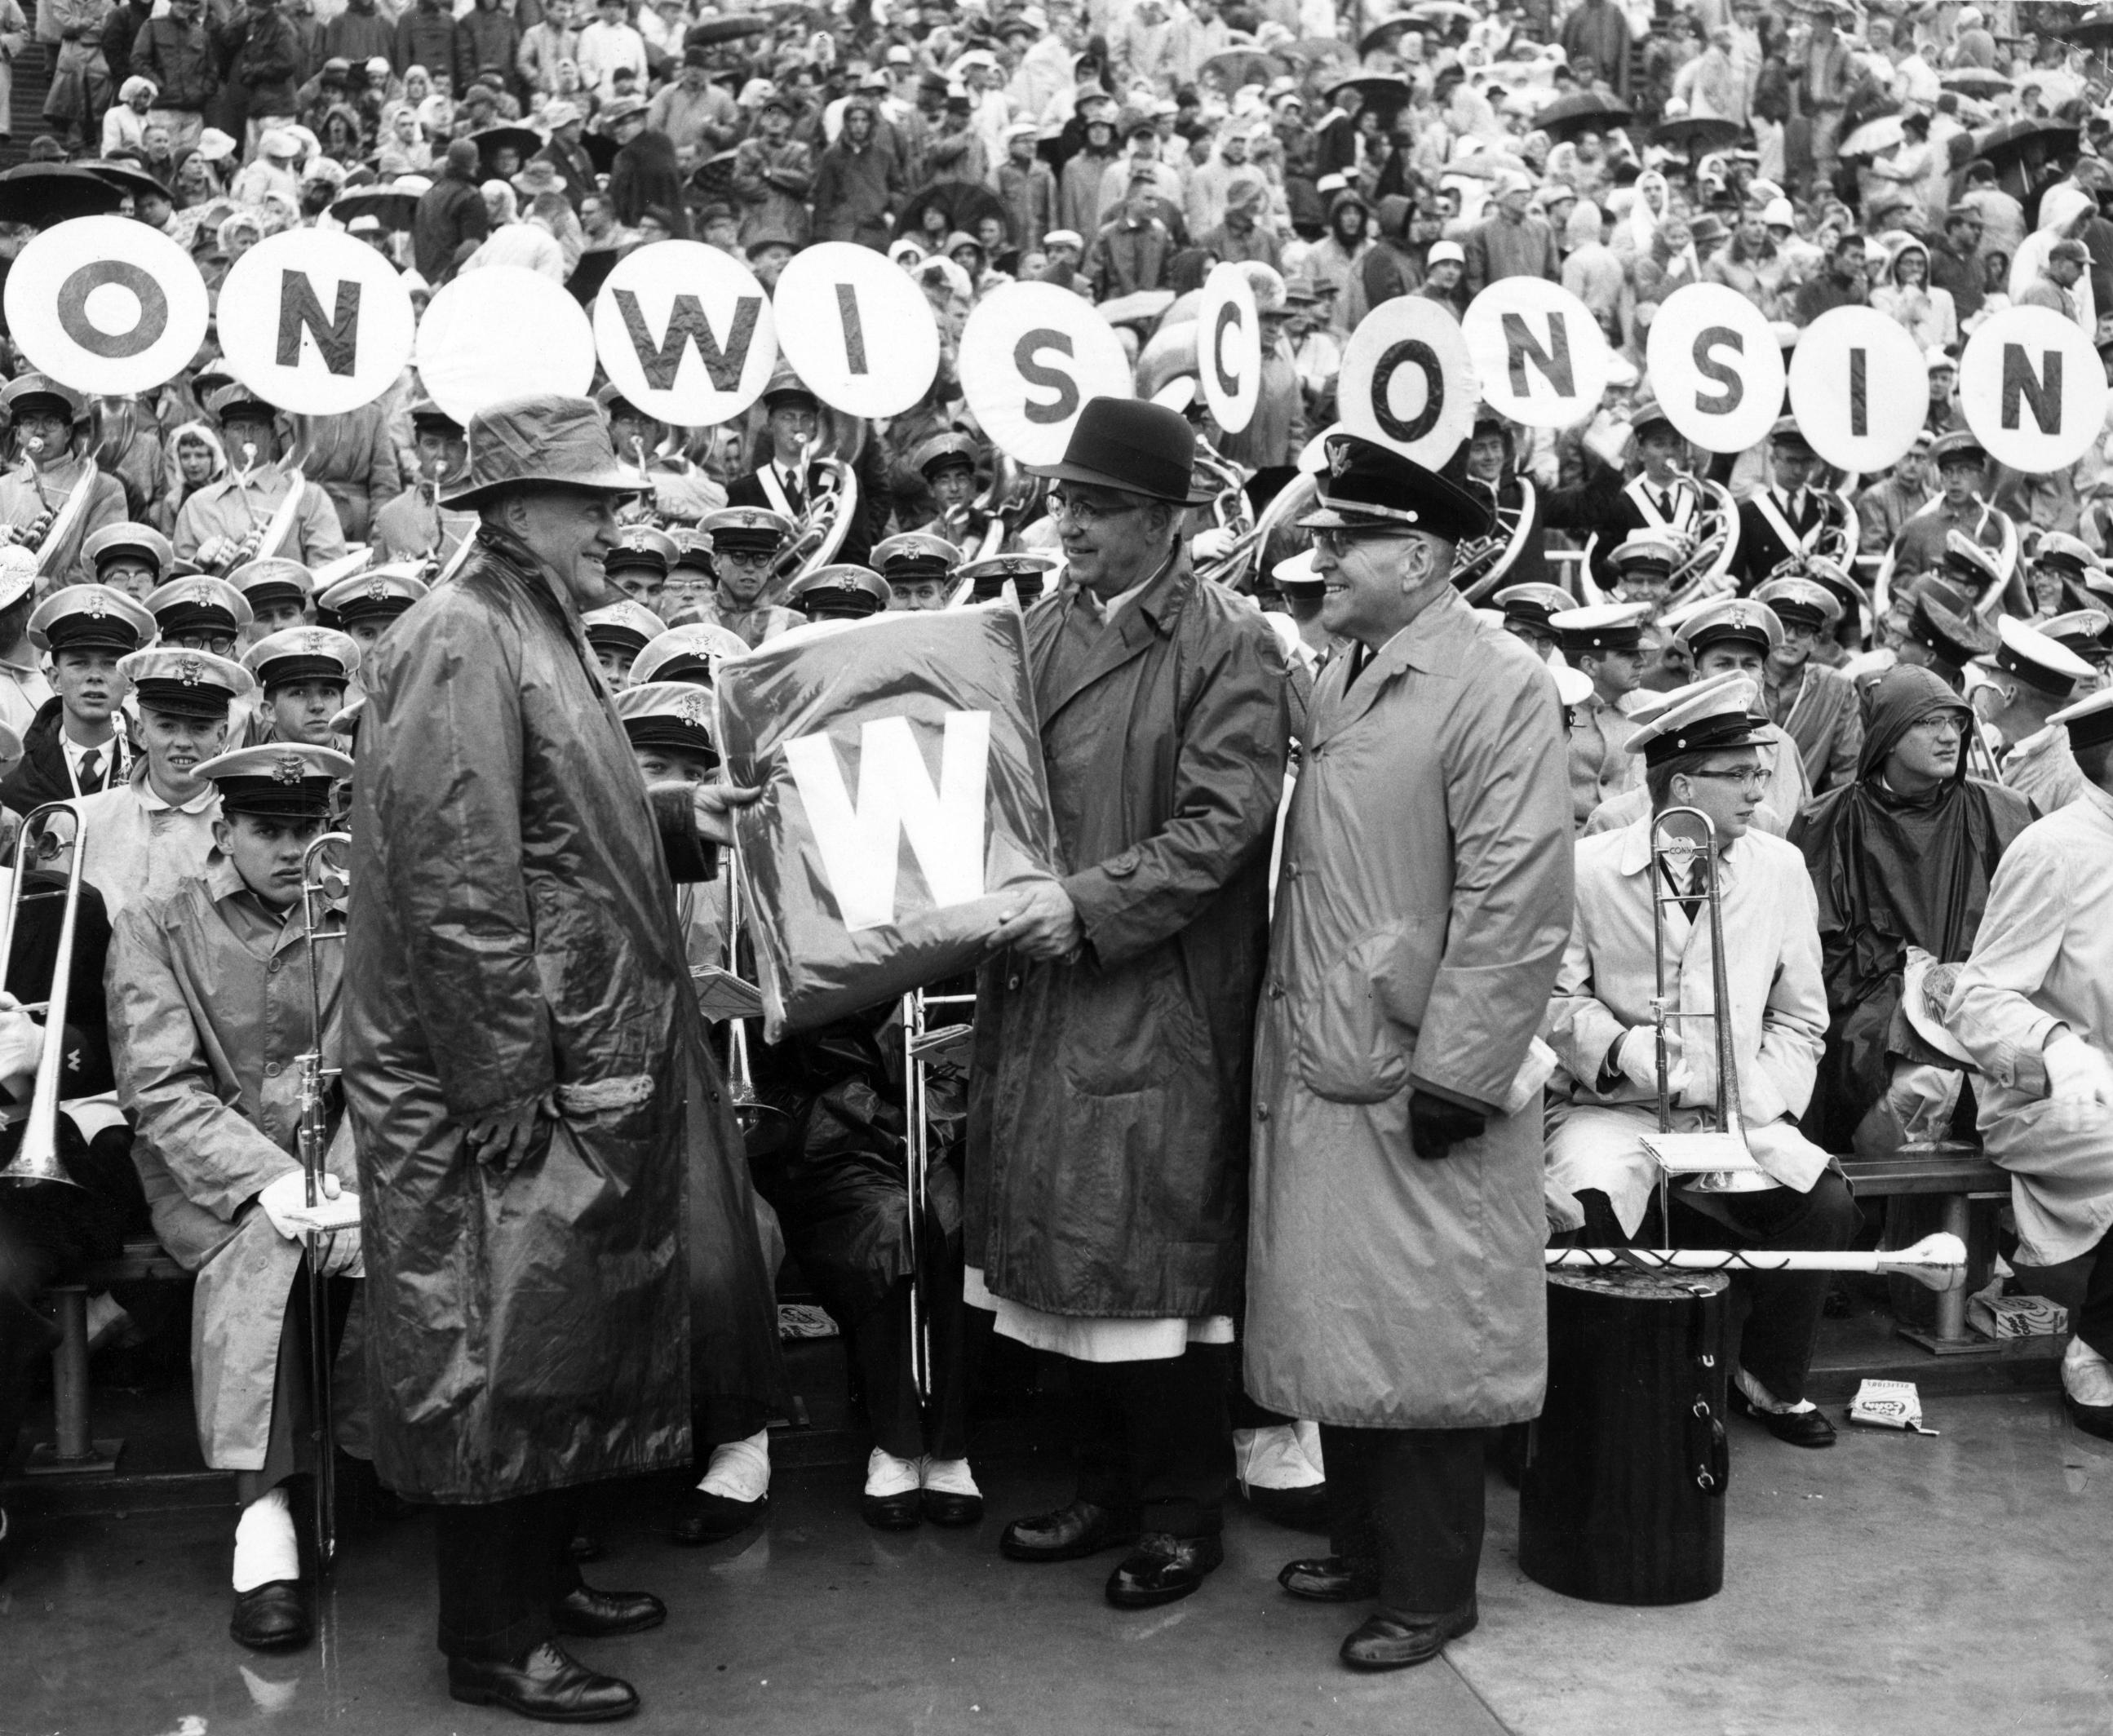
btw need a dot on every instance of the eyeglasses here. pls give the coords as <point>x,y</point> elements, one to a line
<point>1747,777</point>
<point>1338,540</point>
<point>1941,722</point>
<point>1085,513</point>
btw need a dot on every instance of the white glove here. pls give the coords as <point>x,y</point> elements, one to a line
<point>1638,1060</point>
<point>2079,1080</point>
<point>212,551</point>
<point>1207,545</point>
<point>21,1042</point>
<point>285,1199</point>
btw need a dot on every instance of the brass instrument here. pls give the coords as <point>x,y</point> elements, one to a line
<point>1705,569</point>
<point>36,1159</point>
<point>920,1044</point>
<point>1480,564</point>
<point>828,520</point>
<point>763,1125</point>
<point>1231,568</point>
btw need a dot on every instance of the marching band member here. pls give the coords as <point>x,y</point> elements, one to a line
<point>668,724</point>
<point>2057,576</point>
<point>1662,498</point>
<point>25,691</point>
<point>2031,1006</point>
<point>689,577</point>
<point>1027,574</point>
<point>745,544</point>
<point>1492,461</point>
<point>1784,521</point>
<point>1529,611</point>
<point>2016,690</point>
<point>199,613</point>
<point>919,567</point>
<point>676,492</point>
<point>1737,636</point>
<point>135,558</point>
<point>947,462</point>
<point>75,747</point>
<point>1817,707</point>
<point>1109,1080</point>
<point>791,482</point>
<point>687,654</point>
<point>1942,638</point>
<point>209,1009</point>
<point>1962,465</point>
<point>638,565</point>
<point>1702,752</point>
<point>842,592</point>
<point>146,834</point>
<point>1304,592</point>
<point>414,526</point>
<point>280,592</point>
<point>368,604</point>
<point>303,674</point>
<point>2087,632</point>
<point>1422,905</point>
<point>48,420</point>
<point>222,524</point>
<point>616,634</point>
<point>1602,643</point>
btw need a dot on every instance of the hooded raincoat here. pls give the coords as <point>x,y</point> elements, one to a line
<point>1423,906</point>
<point>513,939</point>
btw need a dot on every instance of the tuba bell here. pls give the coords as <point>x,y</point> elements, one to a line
<point>1480,564</point>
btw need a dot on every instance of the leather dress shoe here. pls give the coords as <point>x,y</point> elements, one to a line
<point>1798,1427</point>
<point>1069,1534</point>
<point>957,1512</point>
<point>588,1613</point>
<point>272,1617</point>
<point>1392,1640</point>
<point>903,1512</point>
<point>2093,1419</point>
<point>543,1683</point>
<point>712,1518</point>
<point>1301,1509</point>
<point>1162,1569</point>
<point>1330,1579</point>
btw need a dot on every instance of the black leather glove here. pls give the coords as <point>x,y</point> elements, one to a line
<point>1435,1127</point>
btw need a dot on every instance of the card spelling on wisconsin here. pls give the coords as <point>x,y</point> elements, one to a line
<point>903,801</point>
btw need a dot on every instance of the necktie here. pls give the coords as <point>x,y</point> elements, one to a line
<point>91,772</point>
<point>795,492</point>
<point>1665,505</point>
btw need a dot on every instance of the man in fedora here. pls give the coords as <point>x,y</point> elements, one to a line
<point>525,1116</point>
<point>1105,1213</point>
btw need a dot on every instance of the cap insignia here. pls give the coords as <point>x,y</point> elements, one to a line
<point>97,609</point>
<point>1339,460</point>
<point>289,770</point>
<point>692,712</point>
<point>190,671</point>
<point>378,591</point>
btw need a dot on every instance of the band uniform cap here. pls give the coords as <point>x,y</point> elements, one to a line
<point>549,438</point>
<point>426,413</point>
<point>1370,486</point>
<point>18,578</point>
<point>303,654</point>
<point>693,548</point>
<point>90,618</point>
<point>1965,559</point>
<point>1063,237</point>
<point>275,579</point>
<point>129,538</point>
<point>2041,662</point>
<point>1572,687</point>
<point>625,627</point>
<point>284,780</point>
<point>1786,430</point>
<point>201,605</point>
<point>1701,718</point>
<point>2087,632</point>
<point>912,557</point>
<point>1128,444</point>
<point>380,593</point>
<point>2065,553</point>
<point>1740,619</point>
<point>1957,638</point>
<point>668,713</point>
<point>642,546</point>
<point>32,388</point>
<point>1029,575</point>
<point>942,450</point>
<point>1534,605</point>
<point>839,592</point>
<point>748,527</point>
<point>691,654</point>
<point>1297,576</point>
<point>1604,627</point>
<point>1800,601</point>
<point>234,397</point>
<point>1959,446</point>
<point>1647,414</point>
<point>2089,721</point>
<point>785,384</point>
<point>610,398</point>
<point>186,683</point>
<point>1646,551</point>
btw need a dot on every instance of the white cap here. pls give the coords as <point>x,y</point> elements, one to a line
<point>1778,214</point>
<point>1444,251</point>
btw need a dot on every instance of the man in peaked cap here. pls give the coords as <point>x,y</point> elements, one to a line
<point>1443,1147</point>
<point>947,462</point>
<point>135,558</point>
<point>616,632</point>
<point>919,567</point>
<point>214,980</point>
<point>51,477</point>
<point>75,747</point>
<point>2087,632</point>
<point>1816,706</point>
<point>1945,638</point>
<point>1662,497</point>
<point>200,614</point>
<point>1785,520</point>
<point>1605,642</point>
<point>304,675</point>
<point>689,655</point>
<point>366,605</point>
<point>1732,635</point>
<point>638,565</point>
<point>2057,574</point>
<point>842,592</point>
<point>223,525</point>
<point>746,541</point>
<point>2016,691</point>
<point>790,481</point>
<point>503,851</point>
<point>279,593</point>
<point>1962,468</point>
<point>1528,610</point>
<point>414,525</point>
<point>1702,750</point>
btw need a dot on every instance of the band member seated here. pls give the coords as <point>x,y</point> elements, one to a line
<point>1663,497</point>
<point>280,594</point>
<point>210,1012</point>
<point>842,592</point>
<point>1641,568</point>
<point>690,576</point>
<point>2087,632</point>
<point>638,565</point>
<point>207,614</point>
<point>1028,575</point>
<point>791,482</point>
<point>689,655</point>
<point>2031,1005</point>
<point>2016,690</point>
<point>676,492</point>
<point>222,525</point>
<point>77,746</point>
<point>303,676</point>
<point>135,558</point>
<point>1490,460</point>
<point>1786,520</point>
<point>53,468</point>
<point>1604,643</point>
<point>1962,466</point>
<point>1703,753</point>
<point>616,634</point>
<point>947,462</point>
<point>919,567</point>
<point>668,723</point>
<point>1901,859</point>
<point>414,526</point>
<point>1529,611</point>
<point>1818,708</point>
<point>2057,576</point>
<point>1410,967</point>
<point>24,689</point>
<point>1942,637</point>
<point>746,541</point>
<point>368,604</point>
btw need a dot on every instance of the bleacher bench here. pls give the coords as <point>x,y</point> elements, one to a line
<point>74,1451</point>
<point>1954,1173</point>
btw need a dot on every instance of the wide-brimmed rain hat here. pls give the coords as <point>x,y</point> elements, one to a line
<point>549,439</point>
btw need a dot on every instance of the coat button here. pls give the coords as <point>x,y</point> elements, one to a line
<point>1013,980</point>
<point>1275,989</point>
<point>1261,1111</point>
<point>273,1069</point>
<point>275,967</point>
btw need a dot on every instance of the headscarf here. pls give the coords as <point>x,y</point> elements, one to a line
<point>1643,220</point>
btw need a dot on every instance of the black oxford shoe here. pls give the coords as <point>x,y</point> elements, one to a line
<point>957,1512</point>
<point>1163,1570</point>
<point>903,1512</point>
<point>1799,1428</point>
<point>543,1683</point>
<point>2093,1419</point>
<point>272,1617</point>
<point>588,1614</point>
<point>1393,1640</point>
<point>1069,1534</point>
<point>1330,1579</point>
<point>712,1518</point>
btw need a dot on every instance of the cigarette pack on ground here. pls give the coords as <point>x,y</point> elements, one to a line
<point>1889,1404</point>
<point>2016,1317</point>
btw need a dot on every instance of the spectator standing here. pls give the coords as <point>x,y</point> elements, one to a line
<point>773,174</point>
<point>425,37</point>
<point>1027,189</point>
<point>450,213</point>
<point>1513,243</point>
<point>609,46</point>
<point>860,181</point>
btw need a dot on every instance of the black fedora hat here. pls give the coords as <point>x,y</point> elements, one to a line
<point>1130,444</point>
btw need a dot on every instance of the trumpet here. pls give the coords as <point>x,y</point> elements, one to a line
<point>36,1159</point>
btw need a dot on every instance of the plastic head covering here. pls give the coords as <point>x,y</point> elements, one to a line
<point>1584,226</point>
<point>1393,216</point>
<point>1904,695</point>
<point>499,201</point>
<point>1900,246</point>
<point>2061,204</point>
<point>1643,214</point>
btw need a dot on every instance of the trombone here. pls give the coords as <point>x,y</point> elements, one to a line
<point>36,1159</point>
<point>920,1045</point>
<point>757,1118</point>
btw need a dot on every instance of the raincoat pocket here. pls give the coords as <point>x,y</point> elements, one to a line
<point>1127,1029</point>
<point>1355,1043</point>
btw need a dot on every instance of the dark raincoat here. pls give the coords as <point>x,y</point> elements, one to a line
<point>1892,873</point>
<point>1108,1100</point>
<point>512,933</point>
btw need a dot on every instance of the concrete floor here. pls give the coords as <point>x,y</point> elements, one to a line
<point>1895,1584</point>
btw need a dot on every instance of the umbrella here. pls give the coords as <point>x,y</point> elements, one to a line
<point>2000,145</point>
<point>525,140</point>
<point>965,204</point>
<point>1444,12</point>
<point>393,206</point>
<point>1384,93</point>
<point>1975,81</point>
<point>1872,137</point>
<point>1382,35</point>
<point>1566,117</point>
<point>1697,135</point>
<point>126,176</point>
<point>1239,66</point>
<point>41,194</point>
<point>2094,29</point>
<point>730,29</point>
<point>714,176</point>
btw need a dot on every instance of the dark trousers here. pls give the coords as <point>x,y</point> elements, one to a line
<point>502,1565</point>
<point>290,1447</point>
<point>879,1345</point>
<point>1153,1437</point>
<point>1781,1308</point>
<point>2094,1320</point>
<point>1410,1499</point>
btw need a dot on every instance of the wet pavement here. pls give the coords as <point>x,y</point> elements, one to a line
<point>1893,1584</point>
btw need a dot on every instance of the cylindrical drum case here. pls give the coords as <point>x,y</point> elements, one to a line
<point>1622,1501</point>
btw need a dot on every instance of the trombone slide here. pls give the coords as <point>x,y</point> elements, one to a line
<point>36,1159</point>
